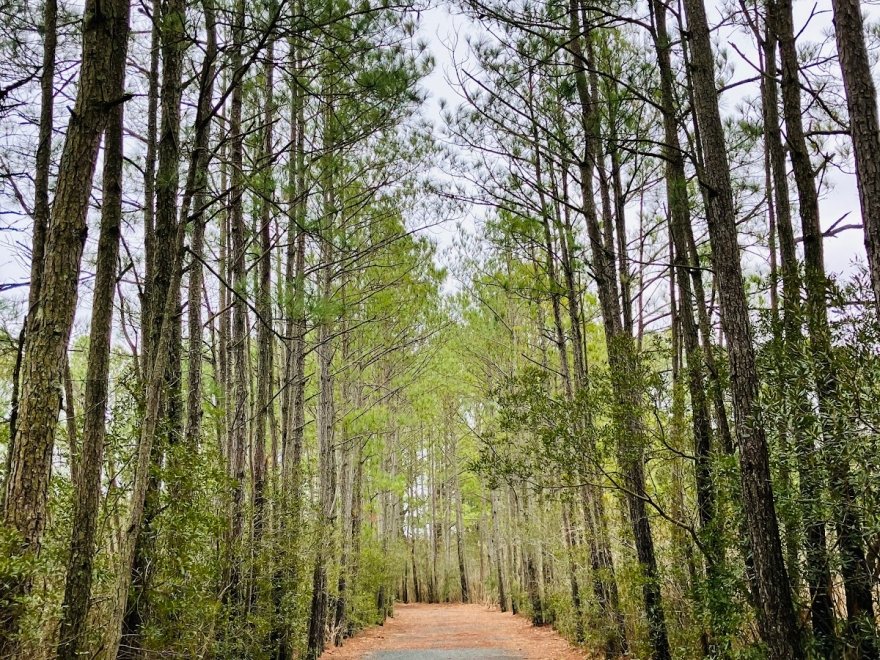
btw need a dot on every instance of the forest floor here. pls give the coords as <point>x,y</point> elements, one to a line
<point>455,632</point>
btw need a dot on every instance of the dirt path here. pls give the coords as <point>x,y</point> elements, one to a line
<point>455,632</point>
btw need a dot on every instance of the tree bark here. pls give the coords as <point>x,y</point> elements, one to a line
<point>326,412</point>
<point>459,531</point>
<point>811,480</point>
<point>156,380</point>
<point>293,395</point>
<point>157,286</point>
<point>857,580</point>
<point>42,167</point>
<point>622,358</point>
<point>237,441</point>
<point>680,227</point>
<point>77,587</point>
<point>265,370</point>
<point>105,29</point>
<point>864,129</point>
<point>779,628</point>
<point>199,187</point>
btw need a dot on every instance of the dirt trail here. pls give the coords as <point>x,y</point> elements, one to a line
<point>455,632</point>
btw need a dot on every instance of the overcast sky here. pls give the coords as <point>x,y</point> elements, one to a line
<point>445,29</point>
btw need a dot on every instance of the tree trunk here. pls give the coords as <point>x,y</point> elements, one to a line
<point>811,479</point>
<point>199,187</point>
<point>604,585</point>
<point>345,495</point>
<point>239,372</point>
<point>293,395</point>
<point>498,546</point>
<point>265,328</point>
<point>105,30</point>
<point>326,412</point>
<point>42,167</point>
<point>864,129</point>
<point>459,530</point>
<point>680,226</point>
<point>159,276</point>
<point>571,547</point>
<point>356,513</point>
<point>857,580</point>
<point>779,628</point>
<point>78,584</point>
<point>622,360</point>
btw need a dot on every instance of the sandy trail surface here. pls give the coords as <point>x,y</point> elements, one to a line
<point>455,632</point>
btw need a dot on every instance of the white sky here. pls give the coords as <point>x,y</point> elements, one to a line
<point>444,30</point>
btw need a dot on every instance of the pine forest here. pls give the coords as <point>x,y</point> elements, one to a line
<point>313,310</point>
